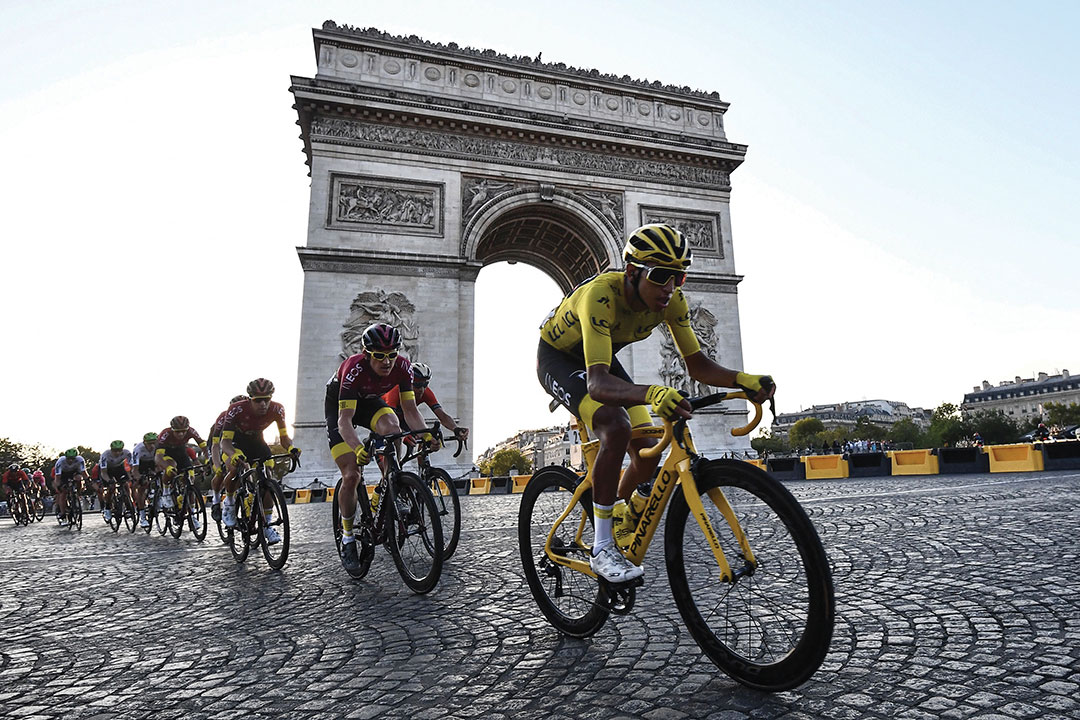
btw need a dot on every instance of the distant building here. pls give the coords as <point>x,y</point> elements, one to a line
<point>884,413</point>
<point>1024,398</point>
<point>559,445</point>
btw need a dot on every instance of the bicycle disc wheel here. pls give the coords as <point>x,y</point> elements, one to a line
<point>277,553</point>
<point>770,628</point>
<point>195,507</point>
<point>238,535</point>
<point>449,507</point>
<point>414,533</point>
<point>571,601</point>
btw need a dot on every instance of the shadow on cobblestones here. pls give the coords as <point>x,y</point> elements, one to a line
<point>957,597</point>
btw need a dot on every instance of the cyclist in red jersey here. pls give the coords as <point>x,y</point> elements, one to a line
<point>172,451</point>
<point>421,375</point>
<point>14,479</point>
<point>354,398</point>
<point>218,480</point>
<point>242,437</point>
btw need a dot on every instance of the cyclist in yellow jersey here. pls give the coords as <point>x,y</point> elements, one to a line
<point>576,364</point>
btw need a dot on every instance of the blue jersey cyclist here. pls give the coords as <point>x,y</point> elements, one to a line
<point>576,364</point>
<point>354,399</point>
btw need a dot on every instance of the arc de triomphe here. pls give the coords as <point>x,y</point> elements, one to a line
<point>430,161</point>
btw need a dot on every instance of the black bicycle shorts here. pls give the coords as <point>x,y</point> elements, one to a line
<point>565,378</point>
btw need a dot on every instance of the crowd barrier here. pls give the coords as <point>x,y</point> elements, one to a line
<point>787,468</point>
<point>1062,455</point>
<point>757,463</point>
<point>825,467</point>
<point>480,486</point>
<point>1022,457</point>
<point>953,461</point>
<point>869,464</point>
<point>519,483</point>
<point>913,462</point>
<point>302,496</point>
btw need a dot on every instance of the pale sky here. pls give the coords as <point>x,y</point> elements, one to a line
<point>904,218</point>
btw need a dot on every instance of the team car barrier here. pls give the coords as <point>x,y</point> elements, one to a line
<point>825,467</point>
<point>914,462</point>
<point>1061,455</point>
<point>1021,457</point>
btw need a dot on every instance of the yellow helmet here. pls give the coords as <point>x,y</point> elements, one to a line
<point>660,245</point>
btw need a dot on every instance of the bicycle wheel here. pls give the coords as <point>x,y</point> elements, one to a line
<point>275,553</point>
<point>76,515</point>
<point>361,532</point>
<point>116,510</point>
<point>448,505</point>
<point>195,512</point>
<point>161,519</point>
<point>414,533</point>
<point>131,516</point>
<point>39,509</point>
<point>238,535</point>
<point>769,629</point>
<point>571,601</point>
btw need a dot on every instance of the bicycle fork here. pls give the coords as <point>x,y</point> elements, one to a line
<point>697,510</point>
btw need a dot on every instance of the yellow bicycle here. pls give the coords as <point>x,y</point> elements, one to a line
<point>746,567</point>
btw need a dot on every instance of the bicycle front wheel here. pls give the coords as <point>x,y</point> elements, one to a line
<point>273,525</point>
<point>414,533</point>
<point>116,512</point>
<point>448,505</point>
<point>76,514</point>
<point>131,516</point>
<point>571,601</point>
<point>195,509</point>
<point>239,543</point>
<point>770,626</point>
<point>39,509</point>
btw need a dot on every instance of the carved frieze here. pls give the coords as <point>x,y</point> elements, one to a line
<point>379,306</point>
<point>477,191</point>
<point>470,147</point>
<point>672,369</point>
<point>370,204</point>
<point>702,230</point>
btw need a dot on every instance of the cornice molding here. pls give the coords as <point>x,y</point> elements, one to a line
<point>362,262</point>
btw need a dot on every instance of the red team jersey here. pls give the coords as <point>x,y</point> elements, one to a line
<point>393,398</point>
<point>356,380</point>
<point>241,418</point>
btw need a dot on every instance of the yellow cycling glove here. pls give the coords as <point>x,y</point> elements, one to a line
<point>663,400</point>
<point>752,384</point>
<point>362,456</point>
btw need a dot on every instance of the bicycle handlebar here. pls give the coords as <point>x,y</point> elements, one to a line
<point>703,402</point>
<point>435,431</point>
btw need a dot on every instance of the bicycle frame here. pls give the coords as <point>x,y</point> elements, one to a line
<point>675,470</point>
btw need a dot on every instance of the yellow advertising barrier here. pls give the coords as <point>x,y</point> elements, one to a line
<point>758,463</point>
<point>329,494</point>
<point>913,462</point>
<point>1014,458</point>
<point>302,496</point>
<point>480,486</point>
<point>824,467</point>
<point>520,481</point>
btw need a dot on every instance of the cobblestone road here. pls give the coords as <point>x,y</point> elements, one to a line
<point>957,597</point>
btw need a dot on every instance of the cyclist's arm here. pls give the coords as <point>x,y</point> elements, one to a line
<point>608,389</point>
<point>446,420</point>
<point>413,418</point>
<point>283,433</point>
<point>703,369</point>
<point>344,423</point>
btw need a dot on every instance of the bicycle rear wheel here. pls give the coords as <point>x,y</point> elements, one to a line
<point>770,628</point>
<point>414,533</point>
<point>361,531</point>
<point>275,553</point>
<point>195,511</point>
<point>448,506</point>
<point>573,602</point>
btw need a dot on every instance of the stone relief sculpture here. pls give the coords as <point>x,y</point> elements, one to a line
<point>478,191</point>
<point>378,306</point>
<point>385,206</point>
<point>609,205</point>
<point>398,139</point>
<point>672,369</point>
<point>701,233</point>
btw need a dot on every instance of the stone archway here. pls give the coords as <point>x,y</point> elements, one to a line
<point>429,161</point>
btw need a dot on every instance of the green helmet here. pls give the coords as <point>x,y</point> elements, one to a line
<point>116,445</point>
<point>149,437</point>
<point>71,452</point>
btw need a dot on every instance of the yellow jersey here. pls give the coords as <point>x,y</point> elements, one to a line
<point>596,321</point>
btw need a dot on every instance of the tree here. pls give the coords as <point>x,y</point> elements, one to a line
<point>766,442</point>
<point>805,432</point>
<point>1062,414</point>
<point>995,427</point>
<point>905,431</point>
<point>34,456</point>
<point>866,430</point>
<point>947,427</point>
<point>502,461</point>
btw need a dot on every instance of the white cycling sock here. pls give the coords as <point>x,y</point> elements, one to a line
<point>602,515</point>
